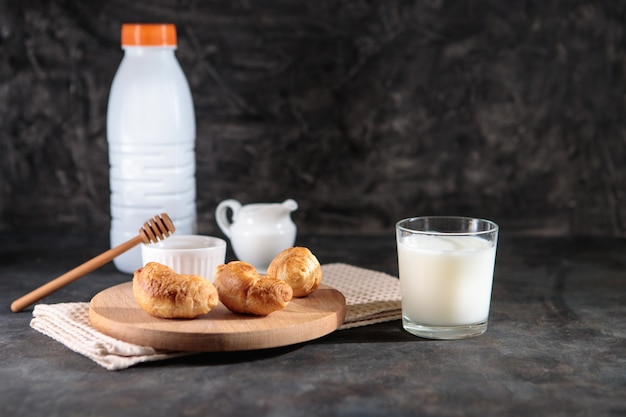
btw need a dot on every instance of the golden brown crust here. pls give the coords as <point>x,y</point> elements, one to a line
<point>163,293</point>
<point>299,268</point>
<point>242,290</point>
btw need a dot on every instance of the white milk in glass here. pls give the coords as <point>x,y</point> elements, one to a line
<point>446,280</point>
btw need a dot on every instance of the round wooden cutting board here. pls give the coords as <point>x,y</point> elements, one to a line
<point>115,312</point>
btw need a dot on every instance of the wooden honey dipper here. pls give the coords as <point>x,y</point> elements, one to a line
<point>157,228</point>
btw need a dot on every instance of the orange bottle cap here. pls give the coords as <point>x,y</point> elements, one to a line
<point>148,34</point>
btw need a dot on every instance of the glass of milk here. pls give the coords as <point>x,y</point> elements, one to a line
<point>446,269</point>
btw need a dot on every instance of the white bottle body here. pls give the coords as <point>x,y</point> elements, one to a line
<point>151,133</point>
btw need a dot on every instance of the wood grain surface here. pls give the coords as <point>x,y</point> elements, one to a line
<point>115,313</point>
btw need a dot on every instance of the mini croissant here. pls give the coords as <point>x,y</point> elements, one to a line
<point>163,293</point>
<point>299,268</point>
<point>242,290</point>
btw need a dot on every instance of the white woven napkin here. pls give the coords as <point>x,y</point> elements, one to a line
<point>371,297</point>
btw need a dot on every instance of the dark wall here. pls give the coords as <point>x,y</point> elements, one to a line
<point>364,112</point>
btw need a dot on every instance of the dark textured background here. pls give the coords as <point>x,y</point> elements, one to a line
<point>364,112</point>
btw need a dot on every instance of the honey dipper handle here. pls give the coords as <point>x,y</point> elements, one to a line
<point>72,275</point>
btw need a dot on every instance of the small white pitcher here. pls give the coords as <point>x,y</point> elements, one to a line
<point>258,232</point>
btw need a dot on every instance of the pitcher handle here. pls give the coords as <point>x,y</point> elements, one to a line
<point>221,214</point>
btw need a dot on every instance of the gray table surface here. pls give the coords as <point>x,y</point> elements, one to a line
<point>556,345</point>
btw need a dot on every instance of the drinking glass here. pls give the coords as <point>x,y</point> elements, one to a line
<point>446,266</point>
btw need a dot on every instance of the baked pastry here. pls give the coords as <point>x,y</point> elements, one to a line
<point>163,293</point>
<point>299,268</point>
<point>242,290</point>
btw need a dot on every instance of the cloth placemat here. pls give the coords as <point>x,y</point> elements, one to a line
<point>371,297</point>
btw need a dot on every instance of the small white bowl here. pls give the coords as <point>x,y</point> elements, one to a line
<point>187,254</point>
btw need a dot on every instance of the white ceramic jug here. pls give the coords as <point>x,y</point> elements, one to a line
<point>257,232</point>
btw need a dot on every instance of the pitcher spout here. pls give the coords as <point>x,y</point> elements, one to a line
<point>290,205</point>
<point>277,212</point>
